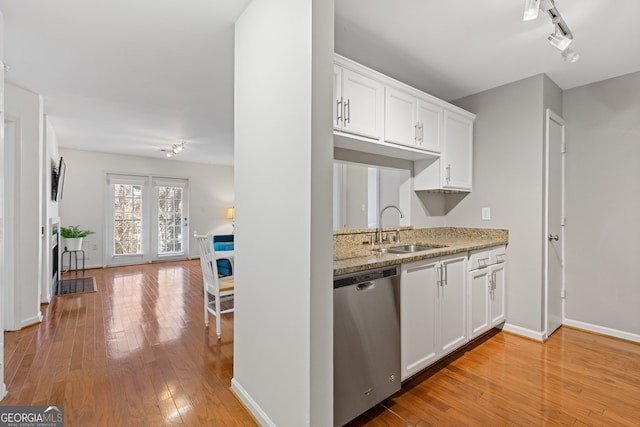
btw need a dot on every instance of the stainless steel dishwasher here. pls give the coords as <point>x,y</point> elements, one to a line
<point>366,335</point>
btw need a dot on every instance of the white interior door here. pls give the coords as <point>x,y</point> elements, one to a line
<point>554,230</point>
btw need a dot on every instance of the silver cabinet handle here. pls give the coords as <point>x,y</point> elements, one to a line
<point>448,173</point>
<point>416,133</point>
<point>422,132</point>
<point>339,112</point>
<point>347,111</point>
<point>440,275</point>
<point>445,273</point>
<point>553,237</point>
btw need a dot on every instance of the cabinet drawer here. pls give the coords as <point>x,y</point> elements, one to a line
<point>483,258</point>
<point>480,258</point>
<point>498,255</point>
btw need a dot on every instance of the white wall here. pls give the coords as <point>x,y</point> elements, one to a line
<point>24,253</point>
<point>3,284</point>
<point>602,205</point>
<point>283,343</point>
<point>84,199</point>
<point>50,159</point>
<point>508,178</point>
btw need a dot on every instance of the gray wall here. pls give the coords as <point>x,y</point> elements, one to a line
<point>508,178</point>
<point>602,203</point>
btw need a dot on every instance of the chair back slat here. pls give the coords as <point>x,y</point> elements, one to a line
<point>208,261</point>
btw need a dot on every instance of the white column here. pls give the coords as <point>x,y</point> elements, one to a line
<point>283,352</point>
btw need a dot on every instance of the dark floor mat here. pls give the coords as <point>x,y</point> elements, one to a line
<point>75,286</point>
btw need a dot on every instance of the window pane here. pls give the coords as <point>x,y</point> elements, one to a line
<point>127,217</point>
<point>169,220</point>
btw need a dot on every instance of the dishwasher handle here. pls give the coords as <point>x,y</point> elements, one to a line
<point>365,286</point>
<point>365,277</point>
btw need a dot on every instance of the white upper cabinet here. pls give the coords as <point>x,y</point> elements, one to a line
<point>376,114</point>
<point>358,103</point>
<point>400,117</point>
<point>430,118</point>
<point>453,170</point>
<point>412,121</point>
<point>457,155</point>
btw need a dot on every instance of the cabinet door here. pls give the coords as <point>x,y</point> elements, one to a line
<point>363,100</point>
<point>400,126</point>
<point>497,293</point>
<point>452,296</point>
<point>429,117</point>
<point>418,316</point>
<point>457,151</point>
<point>479,302</point>
<point>337,92</point>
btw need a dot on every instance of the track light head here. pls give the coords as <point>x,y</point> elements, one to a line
<point>559,41</point>
<point>569,55</point>
<point>531,8</point>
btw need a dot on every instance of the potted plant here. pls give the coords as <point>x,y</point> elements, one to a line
<point>73,237</point>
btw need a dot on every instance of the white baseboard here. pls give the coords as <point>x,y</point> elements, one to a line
<point>32,320</point>
<point>529,333</point>
<point>602,330</point>
<point>251,404</point>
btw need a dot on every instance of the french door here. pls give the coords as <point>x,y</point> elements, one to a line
<point>147,219</point>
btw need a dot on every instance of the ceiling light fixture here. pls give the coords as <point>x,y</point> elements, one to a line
<point>562,36</point>
<point>174,150</point>
<point>531,8</point>
<point>559,41</point>
<point>570,55</point>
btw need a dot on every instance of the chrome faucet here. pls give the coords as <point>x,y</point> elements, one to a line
<point>379,233</point>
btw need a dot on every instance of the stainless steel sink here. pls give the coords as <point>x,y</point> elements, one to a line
<point>407,249</point>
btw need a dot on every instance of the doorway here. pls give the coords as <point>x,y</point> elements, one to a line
<point>554,221</point>
<point>147,219</point>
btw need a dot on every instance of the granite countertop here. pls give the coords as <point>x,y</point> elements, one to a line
<point>449,240</point>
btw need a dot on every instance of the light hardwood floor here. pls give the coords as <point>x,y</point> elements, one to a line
<point>136,353</point>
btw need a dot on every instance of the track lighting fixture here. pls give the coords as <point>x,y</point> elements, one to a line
<point>531,8</point>
<point>174,150</point>
<point>562,37</point>
<point>559,41</point>
<point>569,55</point>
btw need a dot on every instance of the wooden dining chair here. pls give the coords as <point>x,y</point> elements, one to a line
<point>215,288</point>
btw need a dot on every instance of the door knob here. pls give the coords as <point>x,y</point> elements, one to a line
<point>553,237</point>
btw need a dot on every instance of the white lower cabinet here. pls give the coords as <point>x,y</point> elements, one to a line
<point>497,294</point>
<point>478,302</point>
<point>486,283</point>
<point>433,310</point>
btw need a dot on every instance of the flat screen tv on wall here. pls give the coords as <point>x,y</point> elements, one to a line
<point>57,180</point>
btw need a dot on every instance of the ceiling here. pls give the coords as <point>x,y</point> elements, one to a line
<point>135,77</point>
